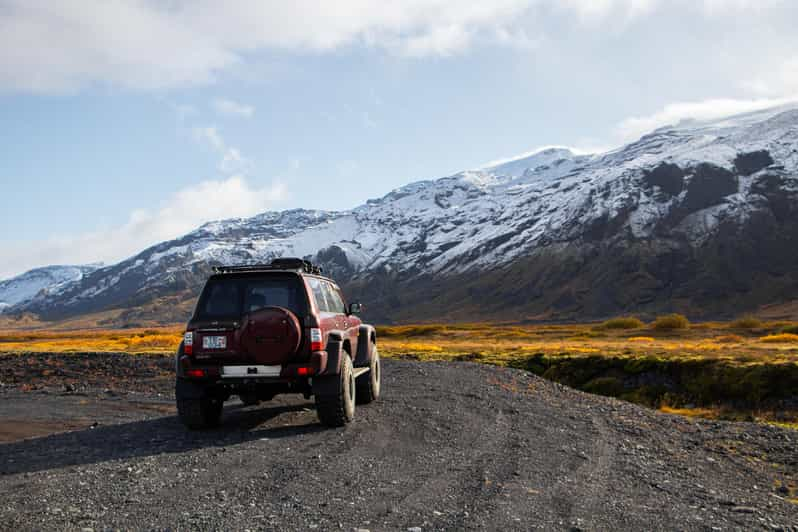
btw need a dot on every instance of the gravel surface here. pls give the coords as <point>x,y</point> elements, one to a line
<point>449,446</point>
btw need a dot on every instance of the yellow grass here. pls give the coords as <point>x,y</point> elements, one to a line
<point>707,413</point>
<point>502,343</point>
<point>780,338</point>
<point>160,340</point>
<point>488,342</point>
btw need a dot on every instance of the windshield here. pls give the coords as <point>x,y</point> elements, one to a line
<point>231,297</point>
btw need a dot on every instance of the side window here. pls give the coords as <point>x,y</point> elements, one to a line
<point>339,298</point>
<point>334,299</point>
<point>318,294</point>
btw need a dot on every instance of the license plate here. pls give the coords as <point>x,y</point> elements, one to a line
<point>214,342</point>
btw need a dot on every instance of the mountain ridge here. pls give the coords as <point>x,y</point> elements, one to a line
<point>681,219</point>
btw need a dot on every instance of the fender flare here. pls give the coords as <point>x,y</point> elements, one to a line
<point>335,352</point>
<point>178,365</point>
<point>366,338</point>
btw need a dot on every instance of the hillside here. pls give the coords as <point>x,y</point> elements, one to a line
<point>700,218</point>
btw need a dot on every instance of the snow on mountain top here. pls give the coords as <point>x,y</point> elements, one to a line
<point>743,119</point>
<point>517,165</point>
<point>48,279</point>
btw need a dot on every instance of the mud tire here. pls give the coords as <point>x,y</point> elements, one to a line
<point>368,384</point>
<point>337,408</point>
<point>197,414</point>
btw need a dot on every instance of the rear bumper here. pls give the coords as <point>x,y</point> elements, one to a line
<point>192,370</point>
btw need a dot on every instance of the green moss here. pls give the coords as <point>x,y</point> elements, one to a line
<point>620,323</point>
<point>649,395</point>
<point>653,381</point>
<point>470,357</point>
<point>608,386</point>
<point>635,366</point>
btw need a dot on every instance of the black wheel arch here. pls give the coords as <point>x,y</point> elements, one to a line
<point>364,349</point>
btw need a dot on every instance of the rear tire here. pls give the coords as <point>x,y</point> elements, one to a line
<point>336,409</point>
<point>368,384</point>
<point>199,413</point>
<point>249,399</point>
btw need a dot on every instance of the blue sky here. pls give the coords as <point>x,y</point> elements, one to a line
<point>125,123</point>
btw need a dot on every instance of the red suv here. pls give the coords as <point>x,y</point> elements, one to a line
<point>279,328</point>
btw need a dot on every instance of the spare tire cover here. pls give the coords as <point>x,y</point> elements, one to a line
<point>270,335</point>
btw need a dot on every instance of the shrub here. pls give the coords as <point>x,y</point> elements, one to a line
<point>400,331</point>
<point>671,322</point>
<point>729,339</point>
<point>621,323</point>
<point>780,338</point>
<point>790,329</point>
<point>746,322</point>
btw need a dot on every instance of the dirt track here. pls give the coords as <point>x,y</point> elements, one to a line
<point>449,446</point>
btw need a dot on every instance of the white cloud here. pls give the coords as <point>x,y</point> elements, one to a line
<point>183,212</point>
<point>634,127</point>
<point>231,108</point>
<point>231,159</point>
<point>69,44</point>
<point>594,10</point>
<point>778,80</point>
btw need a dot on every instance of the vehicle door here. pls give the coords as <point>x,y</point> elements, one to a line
<point>346,322</point>
<point>328,318</point>
<point>352,322</point>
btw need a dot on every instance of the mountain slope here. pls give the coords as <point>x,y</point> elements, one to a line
<point>44,282</point>
<point>701,217</point>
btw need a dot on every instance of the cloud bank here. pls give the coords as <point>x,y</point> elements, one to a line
<point>70,44</point>
<point>184,211</point>
<point>231,108</point>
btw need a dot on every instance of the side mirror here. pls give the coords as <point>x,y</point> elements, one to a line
<point>354,308</point>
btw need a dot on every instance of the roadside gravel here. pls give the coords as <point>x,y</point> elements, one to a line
<point>450,446</point>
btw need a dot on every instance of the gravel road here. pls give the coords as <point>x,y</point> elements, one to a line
<point>450,446</point>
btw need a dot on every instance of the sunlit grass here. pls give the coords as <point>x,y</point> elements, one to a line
<point>503,343</point>
<point>162,340</point>
<point>782,338</point>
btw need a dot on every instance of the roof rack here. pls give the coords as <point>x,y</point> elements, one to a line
<point>279,264</point>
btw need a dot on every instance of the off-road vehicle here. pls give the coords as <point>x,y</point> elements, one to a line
<point>258,331</point>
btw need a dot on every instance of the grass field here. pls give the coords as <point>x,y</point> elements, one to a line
<point>747,369</point>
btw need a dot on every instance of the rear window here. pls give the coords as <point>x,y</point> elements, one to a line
<point>230,297</point>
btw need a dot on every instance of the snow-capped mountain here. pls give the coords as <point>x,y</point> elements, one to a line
<point>700,216</point>
<point>43,282</point>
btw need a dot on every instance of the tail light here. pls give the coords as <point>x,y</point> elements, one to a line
<point>196,373</point>
<point>188,343</point>
<point>304,371</point>
<point>315,340</point>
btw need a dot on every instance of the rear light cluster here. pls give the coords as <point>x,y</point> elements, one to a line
<point>315,340</point>
<point>188,343</point>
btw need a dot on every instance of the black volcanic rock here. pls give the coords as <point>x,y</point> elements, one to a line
<point>752,162</point>
<point>667,176</point>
